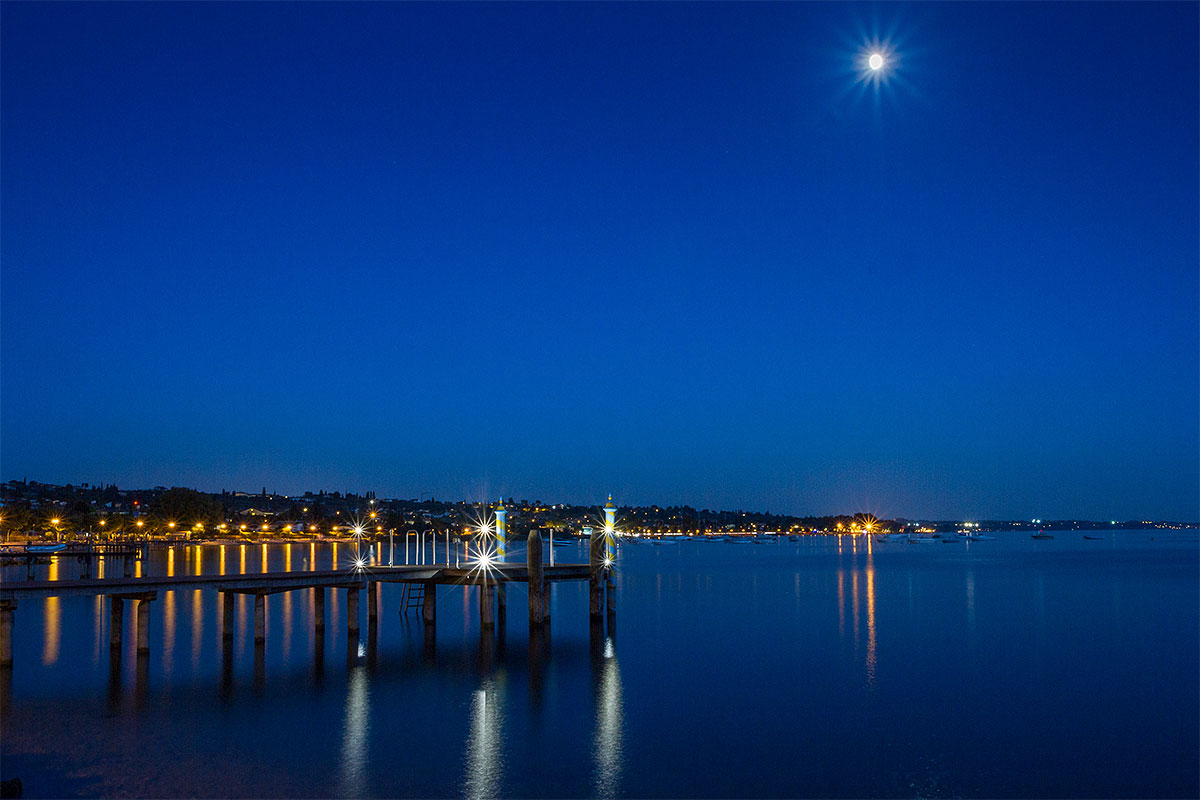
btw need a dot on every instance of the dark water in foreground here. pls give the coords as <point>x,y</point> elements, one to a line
<point>825,667</point>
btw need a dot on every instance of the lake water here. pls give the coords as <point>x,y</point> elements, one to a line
<point>827,667</point>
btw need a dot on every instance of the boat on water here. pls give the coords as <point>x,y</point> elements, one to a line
<point>1040,535</point>
<point>1097,538</point>
<point>976,537</point>
<point>46,548</point>
<point>922,539</point>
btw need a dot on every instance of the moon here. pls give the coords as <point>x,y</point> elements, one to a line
<point>875,62</point>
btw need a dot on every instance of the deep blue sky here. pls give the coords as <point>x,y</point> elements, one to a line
<point>670,251</point>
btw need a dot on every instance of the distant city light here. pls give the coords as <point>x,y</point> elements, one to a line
<point>875,61</point>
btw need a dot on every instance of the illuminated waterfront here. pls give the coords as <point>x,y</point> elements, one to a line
<point>828,666</point>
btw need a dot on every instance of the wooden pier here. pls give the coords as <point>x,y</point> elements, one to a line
<point>490,578</point>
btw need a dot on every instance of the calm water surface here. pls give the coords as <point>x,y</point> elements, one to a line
<point>826,667</point>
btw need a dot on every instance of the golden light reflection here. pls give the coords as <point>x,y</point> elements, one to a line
<point>854,604</point>
<point>312,556</point>
<point>287,557</point>
<point>170,562</point>
<point>168,646</point>
<point>98,626</point>
<point>264,558</point>
<point>870,622</point>
<point>287,623</point>
<point>53,635</point>
<point>841,591</point>
<point>334,549</point>
<point>222,560</point>
<point>242,565</point>
<point>197,626</point>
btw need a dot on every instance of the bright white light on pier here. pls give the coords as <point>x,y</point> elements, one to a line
<point>875,61</point>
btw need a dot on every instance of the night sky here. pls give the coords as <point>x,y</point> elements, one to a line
<point>680,253</point>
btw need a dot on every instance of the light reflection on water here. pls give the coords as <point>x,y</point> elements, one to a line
<point>608,736</point>
<point>929,651</point>
<point>356,730</point>
<point>53,621</point>
<point>485,744</point>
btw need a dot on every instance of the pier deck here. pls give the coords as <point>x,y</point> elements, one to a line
<point>490,580</point>
<point>273,582</point>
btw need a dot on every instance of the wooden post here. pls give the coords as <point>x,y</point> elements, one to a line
<point>487,599</point>
<point>429,604</point>
<point>596,575</point>
<point>227,600</point>
<point>6,622</point>
<point>352,612</point>
<point>260,619</point>
<point>143,625</point>
<point>537,579</point>
<point>611,591</point>
<point>116,622</point>
<point>372,603</point>
<point>319,612</point>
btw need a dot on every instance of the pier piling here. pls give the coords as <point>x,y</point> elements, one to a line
<point>537,582</point>
<point>116,622</point>
<point>227,616</point>
<point>429,604</point>
<point>319,612</point>
<point>143,625</point>
<point>372,603</point>
<point>487,602</point>
<point>352,612</point>
<point>596,576</point>
<point>6,622</point>
<point>260,619</point>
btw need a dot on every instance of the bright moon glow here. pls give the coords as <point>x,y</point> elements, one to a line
<point>875,61</point>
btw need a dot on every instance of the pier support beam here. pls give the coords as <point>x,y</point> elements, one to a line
<point>319,613</point>
<point>537,580</point>
<point>143,624</point>
<point>7,607</point>
<point>429,604</point>
<point>227,599</point>
<point>597,574</point>
<point>352,613</point>
<point>611,591</point>
<point>260,619</point>
<point>116,622</point>
<point>372,603</point>
<point>487,603</point>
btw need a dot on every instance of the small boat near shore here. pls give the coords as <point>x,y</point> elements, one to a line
<point>1040,535</point>
<point>46,548</point>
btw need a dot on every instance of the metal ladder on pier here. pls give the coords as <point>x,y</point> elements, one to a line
<point>412,598</point>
